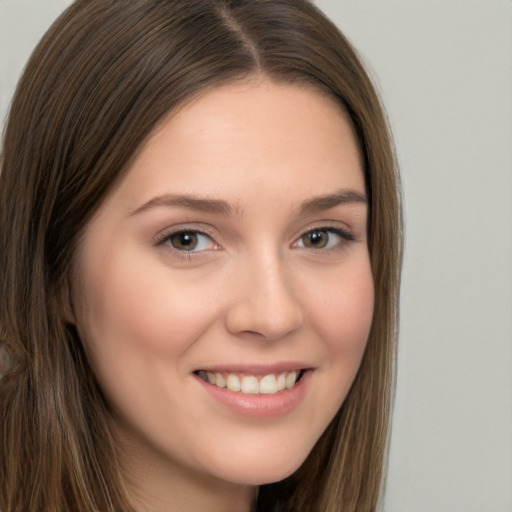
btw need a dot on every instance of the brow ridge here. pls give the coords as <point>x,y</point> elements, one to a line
<point>189,201</point>
<point>328,201</point>
<point>219,206</point>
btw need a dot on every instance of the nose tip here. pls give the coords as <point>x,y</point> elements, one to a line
<point>266,306</point>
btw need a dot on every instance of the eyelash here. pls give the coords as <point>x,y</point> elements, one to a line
<point>166,237</point>
<point>344,235</point>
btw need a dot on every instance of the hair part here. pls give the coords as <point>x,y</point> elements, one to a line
<point>105,74</point>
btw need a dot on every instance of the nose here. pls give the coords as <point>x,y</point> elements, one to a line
<point>265,304</point>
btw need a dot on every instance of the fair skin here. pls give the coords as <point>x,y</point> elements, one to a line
<point>233,249</point>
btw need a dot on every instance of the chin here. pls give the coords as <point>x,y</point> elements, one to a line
<point>264,468</point>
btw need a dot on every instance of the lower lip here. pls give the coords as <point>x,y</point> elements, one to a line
<point>261,405</point>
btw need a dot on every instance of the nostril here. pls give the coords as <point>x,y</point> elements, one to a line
<point>265,305</point>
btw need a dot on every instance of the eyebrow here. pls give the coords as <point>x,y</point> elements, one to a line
<point>328,201</point>
<point>218,206</point>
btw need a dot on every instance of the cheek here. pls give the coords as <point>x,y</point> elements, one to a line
<point>145,308</point>
<point>137,323</point>
<point>342,317</point>
<point>344,304</point>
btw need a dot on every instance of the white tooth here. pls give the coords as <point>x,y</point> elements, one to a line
<point>290,379</point>
<point>211,377</point>
<point>250,385</point>
<point>281,382</point>
<point>268,384</point>
<point>233,382</point>
<point>221,381</point>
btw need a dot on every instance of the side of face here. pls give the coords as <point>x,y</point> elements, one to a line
<point>233,250</point>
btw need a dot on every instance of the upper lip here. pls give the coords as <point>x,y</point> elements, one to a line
<point>255,369</point>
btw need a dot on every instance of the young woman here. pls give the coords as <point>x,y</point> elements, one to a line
<point>199,264</point>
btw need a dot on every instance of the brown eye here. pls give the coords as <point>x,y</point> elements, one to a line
<point>328,238</point>
<point>315,239</point>
<point>190,241</point>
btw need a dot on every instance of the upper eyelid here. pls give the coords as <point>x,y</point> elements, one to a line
<point>160,242</point>
<point>345,234</point>
<point>326,225</point>
<point>162,235</point>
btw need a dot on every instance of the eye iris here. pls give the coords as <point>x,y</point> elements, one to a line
<point>185,241</point>
<point>316,239</point>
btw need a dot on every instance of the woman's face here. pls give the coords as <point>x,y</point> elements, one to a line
<point>234,250</point>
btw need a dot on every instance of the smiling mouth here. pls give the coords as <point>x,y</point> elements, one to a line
<point>269,384</point>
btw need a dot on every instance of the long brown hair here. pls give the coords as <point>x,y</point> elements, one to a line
<point>95,87</point>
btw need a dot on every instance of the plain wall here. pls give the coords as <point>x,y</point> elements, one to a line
<point>444,70</point>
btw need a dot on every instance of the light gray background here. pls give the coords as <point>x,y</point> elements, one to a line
<point>444,69</point>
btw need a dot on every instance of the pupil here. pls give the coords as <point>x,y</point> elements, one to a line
<point>317,239</point>
<point>185,241</point>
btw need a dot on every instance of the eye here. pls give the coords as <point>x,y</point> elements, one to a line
<point>324,238</point>
<point>189,241</point>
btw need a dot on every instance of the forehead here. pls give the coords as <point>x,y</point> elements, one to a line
<point>248,136</point>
